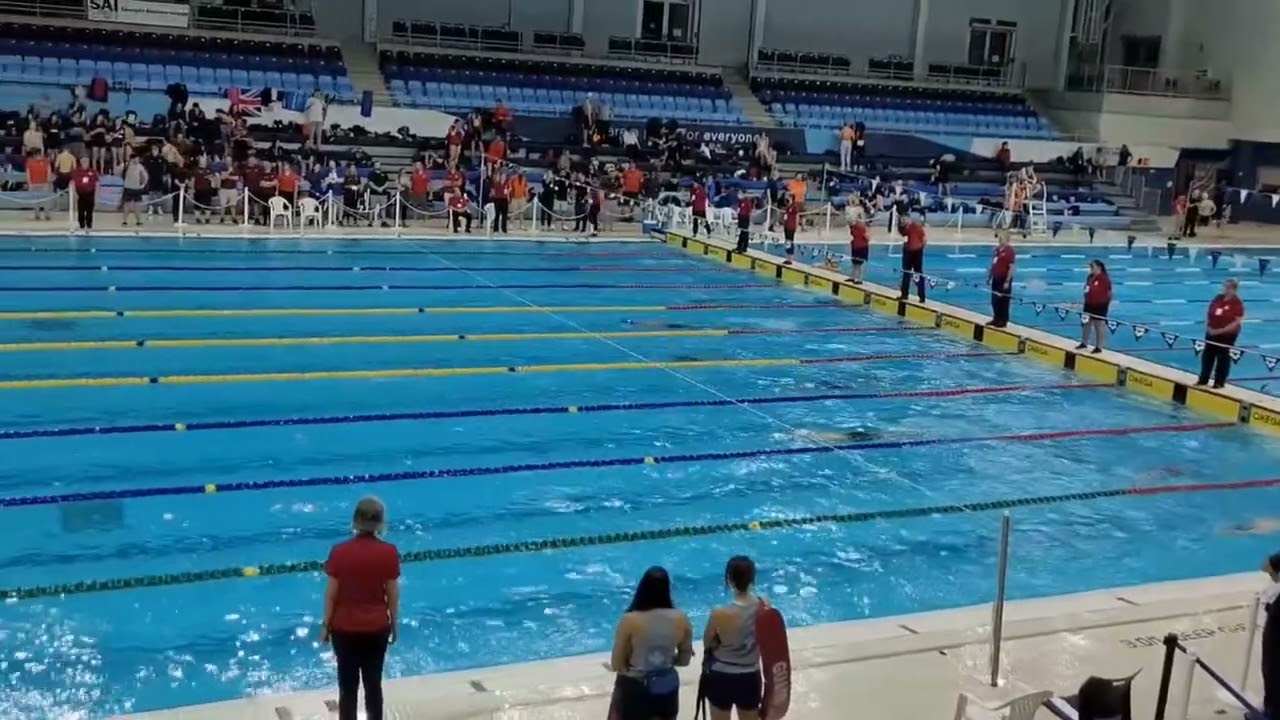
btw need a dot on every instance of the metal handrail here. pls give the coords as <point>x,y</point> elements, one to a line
<point>637,54</point>
<point>290,27</point>
<point>1146,81</point>
<point>43,9</point>
<point>1011,77</point>
<point>472,36</point>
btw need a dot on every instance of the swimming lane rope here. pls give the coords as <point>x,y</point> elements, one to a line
<point>492,470</point>
<point>617,538</point>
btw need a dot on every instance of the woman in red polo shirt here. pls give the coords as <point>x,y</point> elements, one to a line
<point>1221,330</point>
<point>790,221</point>
<point>1001,278</point>
<point>912,257</point>
<point>1097,301</point>
<point>362,608</point>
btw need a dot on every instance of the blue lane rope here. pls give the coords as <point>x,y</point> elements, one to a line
<point>442,473</point>
<point>532,410</point>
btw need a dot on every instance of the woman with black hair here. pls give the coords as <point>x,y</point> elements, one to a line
<point>1097,301</point>
<point>1271,639</point>
<point>732,676</point>
<point>652,640</point>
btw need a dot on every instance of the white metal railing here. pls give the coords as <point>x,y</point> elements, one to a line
<point>1146,81</point>
<point>1010,76</point>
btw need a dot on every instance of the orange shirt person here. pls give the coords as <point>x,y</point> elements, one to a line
<point>497,151</point>
<point>39,180</point>
<point>912,257</point>
<point>287,181</point>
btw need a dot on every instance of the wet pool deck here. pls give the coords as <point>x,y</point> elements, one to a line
<point>911,666</point>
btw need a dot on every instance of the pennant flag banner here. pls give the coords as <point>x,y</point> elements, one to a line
<point>1215,256</point>
<point>1235,354</point>
<point>1270,361</point>
<point>1112,325</point>
<point>1263,264</point>
<point>1274,200</point>
<point>951,203</point>
<point>1131,240</point>
<point>1139,332</point>
<point>1062,313</point>
<point>1039,308</point>
<point>1171,247</point>
<point>1169,338</point>
<point>1198,346</point>
<point>951,285</point>
<point>1244,195</point>
<point>933,282</point>
<point>1085,318</point>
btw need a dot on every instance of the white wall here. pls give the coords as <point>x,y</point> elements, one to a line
<point>724,32</point>
<point>1144,119</point>
<point>947,32</point>
<point>602,18</point>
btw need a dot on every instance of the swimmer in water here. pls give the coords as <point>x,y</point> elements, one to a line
<point>840,436</point>
<point>655,324</point>
<point>1257,526</point>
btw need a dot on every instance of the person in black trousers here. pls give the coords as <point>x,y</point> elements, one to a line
<point>1271,639</point>
<point>1001,277</point>
<point>1191,218</point>
<point>84,182</point>
<point>500,196</point>
<point>547,200</point>
<point>1221,330</point>
<point>912,257</point>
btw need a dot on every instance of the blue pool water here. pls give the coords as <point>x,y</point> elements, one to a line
<point>1165,296</point>
<point>92,655</point>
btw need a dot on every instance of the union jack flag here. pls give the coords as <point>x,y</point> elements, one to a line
<point>245,102</point>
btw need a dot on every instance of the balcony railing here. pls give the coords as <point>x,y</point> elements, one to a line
<point>1146,81</point>
<point>890,68</point>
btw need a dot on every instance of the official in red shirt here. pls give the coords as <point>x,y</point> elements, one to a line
<point>500,196</point>
<point>698,204</point>
<point>459,211</point>
<point>362,608</point>
<point>1001,278</point>
<point>84,181</point>
<point>912,257</point>
<point>1221,330</point>
<point>790,221</point>
<point>419,186</point>
<point>859,249</point>
<point>1097,302</point>
<point>746,206</point>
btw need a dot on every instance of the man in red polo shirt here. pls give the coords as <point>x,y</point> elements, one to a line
<point>84,181</point>
<point>859,248</point>
<point>459,211</point>
<point>746,206</point>
<point>790,221</point>
<point>1221,330</point>
<point>912,257</point>
<point>698,202</point>
<point>1000,276</point>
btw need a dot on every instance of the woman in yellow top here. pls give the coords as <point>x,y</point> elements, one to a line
<point>653,639</point>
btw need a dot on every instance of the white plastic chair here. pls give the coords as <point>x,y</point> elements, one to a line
<point>279,208</point>
<point>1019,708</point>
<point>309,210</point>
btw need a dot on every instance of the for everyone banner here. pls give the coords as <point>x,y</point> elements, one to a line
<point>139,12</point>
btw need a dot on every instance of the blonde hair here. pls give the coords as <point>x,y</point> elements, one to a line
<point>370,516</point>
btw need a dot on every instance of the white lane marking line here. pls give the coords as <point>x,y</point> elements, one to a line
<point>1189,269</point>
<point>1170,301</point>
<point>962,255</point>
<point>1119,257</point>
<point>1136,282</point>
<point>1071,257</point>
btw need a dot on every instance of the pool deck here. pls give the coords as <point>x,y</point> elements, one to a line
<point>1143,377</point>
<point>911,666</point>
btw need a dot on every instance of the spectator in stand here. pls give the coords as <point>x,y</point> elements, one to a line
<point>798,188</point>
<point>1221,330</point>
<point>156,176</point>
<point>1207,209</point>
<point>378,188</point>
<point>251,174</point>
<point>653,638</point>
<point>547,200</point>
<point>287,181</point>
<point>631,144</point>
<point>362,608</point>
<point>502,119</point>
<point>475,135</point>
<point>732,654</point>
<point>351,187</point>
<point>136,182</point>
<point>84,183</point>
<point>1097,303</point>
<point>790,221</point>
<point>1000,277</point>
<point>912,257</point>
<point>229,192</point>
<point>459,211</point>
<point>97,141</point>
<point>1125,156</point>
<point>121,141</point>
<point>1004,156</point>
<point>846,147</point>
<point>1191,215</point>
<point>579,204</point>
<point>500,196</point>
<point>39,181</point>
<point>632,184</point>
<point>314,112</point>
<point>179,173</point>
<point>453,139</point>
<point>32,137</point>
<point>64,163</point>
<point>595,202</point>
<point>419,186</point>
<point>496,154</point>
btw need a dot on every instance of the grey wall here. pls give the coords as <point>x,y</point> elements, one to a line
<point>548,15</point>
<point>947,32</point>
<point>858,28</point>
<point>602,18</point>
<point>724,32</point>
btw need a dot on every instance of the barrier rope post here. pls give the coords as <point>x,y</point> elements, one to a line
<point>1166,675</point>
<point>244,220</point>
<point>332,208</point>
<point>182,209</point>
<point>997,607</point>
<point>1183,706</point>
<point>396,204</point>
<point>1252,633</point>
<point>72,225</point>
<point>826,234</point>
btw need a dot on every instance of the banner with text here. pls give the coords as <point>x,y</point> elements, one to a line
<point>139,12</point>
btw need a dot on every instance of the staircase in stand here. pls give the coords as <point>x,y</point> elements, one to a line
<point>361,59</point>
<point>756,113</point>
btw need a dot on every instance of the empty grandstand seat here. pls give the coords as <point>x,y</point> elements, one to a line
<point>151,60</point>
<point>821,104</point>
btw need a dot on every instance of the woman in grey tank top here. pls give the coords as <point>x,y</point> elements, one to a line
<point>652,640</point>
<point>732,677</point>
